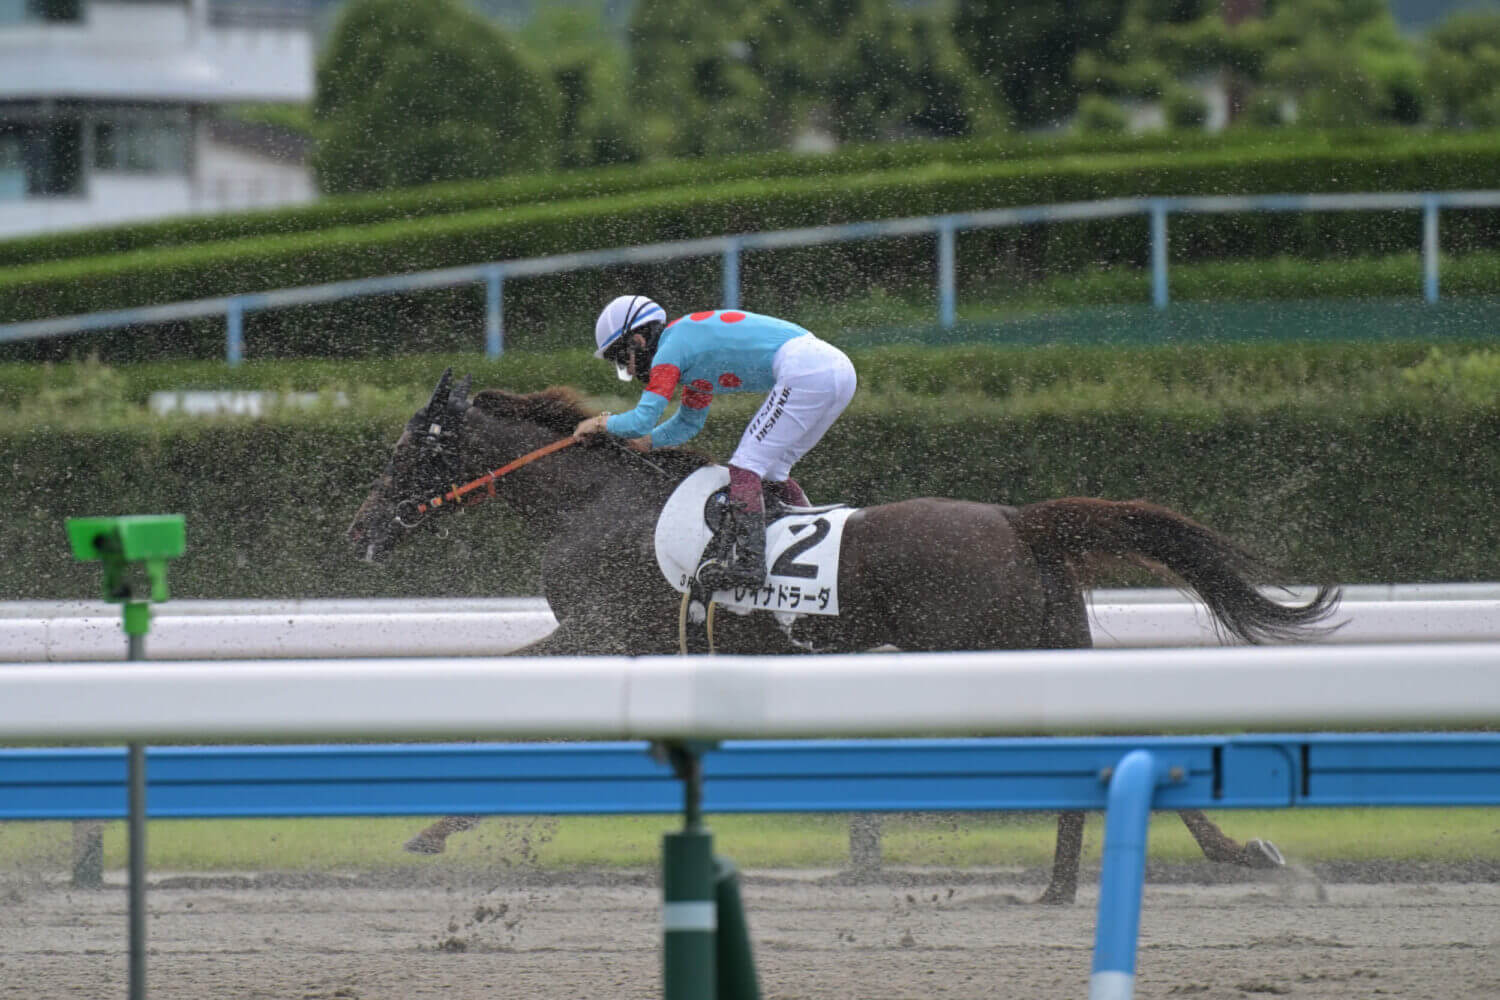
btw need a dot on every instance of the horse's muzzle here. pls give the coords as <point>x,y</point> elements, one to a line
<point>370,546</point>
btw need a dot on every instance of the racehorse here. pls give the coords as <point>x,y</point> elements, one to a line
<point>594,507</point>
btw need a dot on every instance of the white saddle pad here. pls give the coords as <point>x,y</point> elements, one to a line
<point>802,551</point>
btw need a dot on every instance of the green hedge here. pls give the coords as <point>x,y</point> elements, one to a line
<point>86,285</point>
<point>1380,496</point>
<point>1339,469</point>
<point>553,186</point>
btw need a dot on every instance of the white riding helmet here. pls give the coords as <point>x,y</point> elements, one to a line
<point>622,315</point>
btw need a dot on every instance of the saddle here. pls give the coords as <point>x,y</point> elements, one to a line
<point>802,545</point>
<point>718,515</point>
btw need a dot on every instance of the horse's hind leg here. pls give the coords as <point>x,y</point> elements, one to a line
<point>433,840</point>
<point>1063,887</point>
<point>1223,849</point>
<point>573,637</point>
<point>1065,626</point>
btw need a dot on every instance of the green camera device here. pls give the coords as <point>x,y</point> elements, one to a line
<point>120,542</point>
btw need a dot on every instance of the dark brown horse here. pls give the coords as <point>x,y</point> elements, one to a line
<point>593,509</point>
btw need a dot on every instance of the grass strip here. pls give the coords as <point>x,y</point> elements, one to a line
<point>755,841</point>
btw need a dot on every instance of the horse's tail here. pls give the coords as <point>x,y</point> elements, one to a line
<point>1222,573</point>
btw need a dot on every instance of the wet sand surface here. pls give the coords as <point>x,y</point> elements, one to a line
<point>907,934</point>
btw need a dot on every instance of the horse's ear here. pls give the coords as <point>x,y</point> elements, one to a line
<point>439,398</point>
<point>459,401</point>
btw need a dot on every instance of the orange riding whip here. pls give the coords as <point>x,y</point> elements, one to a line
<point>457,493</point>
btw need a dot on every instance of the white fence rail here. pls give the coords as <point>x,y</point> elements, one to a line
<point>216,630</point>
<point>725,697</point>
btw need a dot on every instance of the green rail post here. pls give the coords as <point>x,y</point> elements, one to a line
<point>118,543</point>
<point>688,916</point>
<point>706,953</point>
<point>736,959</point>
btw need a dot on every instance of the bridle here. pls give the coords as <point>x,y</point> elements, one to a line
<point>438,451</point>
<point>441,420</point>
<point>455,495</point>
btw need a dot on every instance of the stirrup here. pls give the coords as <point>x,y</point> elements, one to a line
<point>716,574</point>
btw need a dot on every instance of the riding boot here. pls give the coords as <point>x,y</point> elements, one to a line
<point>747,564</point>
<point>739,553</point>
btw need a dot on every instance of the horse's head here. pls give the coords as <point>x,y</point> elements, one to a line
<point>424,464</point>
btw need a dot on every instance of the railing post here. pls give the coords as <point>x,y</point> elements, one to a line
<point>119,544</point>
<point>947,294</point>
<point>864,844</point>
<point>1159,253</point>
<point>731,295</point>
<point>1123,876</point>
<point>1430,248</point>
<point>689,900</point>
<point>494,312</point>
<point>234,332</point>
<point>734,957</point>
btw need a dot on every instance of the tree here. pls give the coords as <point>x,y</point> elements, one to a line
<point>1158,44</point>
<point>1337,62</point>
<point>1462,70</point>
<point>412,93</point>
<point>758,73</point>
<point>1343,62</point>
<point>692,89</point>
<point>1165,51</point>
<point>589,67</point>
<point>1025,50</point>
<point>869,70</point>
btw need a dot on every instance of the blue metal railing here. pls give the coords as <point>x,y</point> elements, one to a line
<point>493,274</point>
<point>1129,775</point>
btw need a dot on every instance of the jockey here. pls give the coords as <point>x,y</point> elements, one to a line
<point>807,382</point>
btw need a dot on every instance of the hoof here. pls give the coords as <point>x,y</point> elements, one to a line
<point>424,843</point>
<point>1262,854</point>
<point>1057,897</point>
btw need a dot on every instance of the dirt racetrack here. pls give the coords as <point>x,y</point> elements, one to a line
<point>907,934</point>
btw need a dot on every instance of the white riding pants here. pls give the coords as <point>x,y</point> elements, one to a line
<point>814,382</point>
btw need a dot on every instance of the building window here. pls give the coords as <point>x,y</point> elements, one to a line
<point>20,11</point>
<point>40,159</point>
<point>140,145</point>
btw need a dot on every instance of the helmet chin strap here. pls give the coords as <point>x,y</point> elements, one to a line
<point>622,371</point>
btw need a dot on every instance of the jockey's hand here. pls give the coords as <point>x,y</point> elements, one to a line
<point>593,425</point>
<point>642,444</point>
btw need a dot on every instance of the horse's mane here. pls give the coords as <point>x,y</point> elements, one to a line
<point>559,409</point>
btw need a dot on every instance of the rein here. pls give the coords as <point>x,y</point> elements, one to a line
<point>457,493</point>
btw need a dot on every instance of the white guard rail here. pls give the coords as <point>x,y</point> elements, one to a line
<point>215,630</point>
<point>724,697</point>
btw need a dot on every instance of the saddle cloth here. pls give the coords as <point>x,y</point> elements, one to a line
<point>802,550</point>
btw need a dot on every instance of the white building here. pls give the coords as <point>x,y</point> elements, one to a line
<point>108,108</point>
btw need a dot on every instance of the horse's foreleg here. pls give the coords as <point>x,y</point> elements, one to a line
<point>1223,849</point>
<point>595,635</point>
<point>433,840</point>
<point>1063,887</point>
